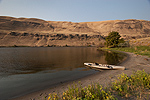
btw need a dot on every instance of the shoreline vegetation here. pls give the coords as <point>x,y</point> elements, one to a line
<point>138,50</point>
<point>135,86</point>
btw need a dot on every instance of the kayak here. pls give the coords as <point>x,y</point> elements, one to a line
<point>104,66</point>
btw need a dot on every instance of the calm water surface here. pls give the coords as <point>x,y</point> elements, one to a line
<point>25,70</point>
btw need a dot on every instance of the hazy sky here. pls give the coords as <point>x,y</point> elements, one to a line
<point>77,10</point>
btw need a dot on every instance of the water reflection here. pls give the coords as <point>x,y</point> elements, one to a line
<point>113,58</point>
<point>35,69</point>
<point>33,60</point>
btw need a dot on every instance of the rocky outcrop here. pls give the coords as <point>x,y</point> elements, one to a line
<point>37,32</point>
<point>31,39</point>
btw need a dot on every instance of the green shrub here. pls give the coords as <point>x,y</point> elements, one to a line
<point>124,44</point>
<point>113,39</point>
<point>76,92</point>
<point>135,85</point>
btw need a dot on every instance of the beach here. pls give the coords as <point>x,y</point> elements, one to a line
<point>132,63</point>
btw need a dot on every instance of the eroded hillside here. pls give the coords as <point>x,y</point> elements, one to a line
<point>37,32</point>
<point>127,28</point>
<point>37,39</point>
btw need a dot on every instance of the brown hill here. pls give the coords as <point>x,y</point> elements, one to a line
<point>37,32</point>
<point>129,27</point>
<point>24,24</point>
<point>41,26</point>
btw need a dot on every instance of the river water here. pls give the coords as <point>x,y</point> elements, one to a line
<point>28,69</point>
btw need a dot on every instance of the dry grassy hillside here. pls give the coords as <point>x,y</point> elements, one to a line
<point>127,28</point>
<point>37,32</point>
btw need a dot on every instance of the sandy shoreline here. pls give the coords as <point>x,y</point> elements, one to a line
<point>132,63</point>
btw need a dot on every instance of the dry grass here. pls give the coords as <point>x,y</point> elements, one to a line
<point>140,42</point>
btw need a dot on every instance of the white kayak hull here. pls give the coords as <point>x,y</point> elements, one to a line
<point>104,66</point>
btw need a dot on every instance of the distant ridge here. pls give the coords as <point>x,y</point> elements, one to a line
<point>130,26</point>
<point>128,29</point>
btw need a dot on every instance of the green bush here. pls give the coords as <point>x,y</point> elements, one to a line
<point>113,39</point>
<point>136,85</point>
<point>75,92</point>
<point>124,44</point>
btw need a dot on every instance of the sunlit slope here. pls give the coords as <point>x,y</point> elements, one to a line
<point>38,32</point>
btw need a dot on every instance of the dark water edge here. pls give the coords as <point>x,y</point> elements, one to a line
<point>114,57</point>
<point>32,69</point>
